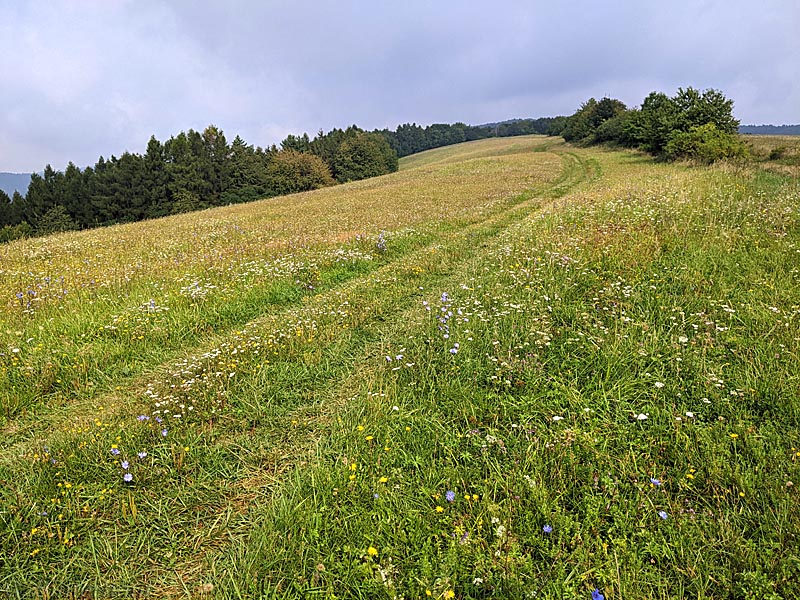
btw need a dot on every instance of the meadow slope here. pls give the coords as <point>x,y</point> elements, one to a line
<point>512,369</point>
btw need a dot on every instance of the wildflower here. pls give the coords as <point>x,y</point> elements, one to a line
<point>439,509</point>
<point>383,480</point>
<point>141,454</point>
<point>372,551</point>
<point>663,514</point>
<point>597,595</point>
<point>659,384</point>
<point>125,464</point>
<point>654,481</point>
<point>164,433</point>
<point>450,496</point>
<point>127,477</point>
<point>114,451</point>
<point>547,529</point>
<point>142,418</point>
<point>641,417</point>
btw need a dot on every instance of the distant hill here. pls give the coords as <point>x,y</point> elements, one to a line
<point>770,129</point>
<point>14,181</point>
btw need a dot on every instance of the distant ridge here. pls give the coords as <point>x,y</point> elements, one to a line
<point>770,129</point>
<point>10,182</point>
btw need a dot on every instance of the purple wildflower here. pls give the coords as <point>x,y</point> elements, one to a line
<point>597,595</point>
<point>547,529</point>
<point>450,496</point>
<point>115,451</point>
<point>141,454</point>
<point>663,514</point>
<point>655,481</point>
<point>125,465</point>
<point>127,477</point>
<point>164,432</point>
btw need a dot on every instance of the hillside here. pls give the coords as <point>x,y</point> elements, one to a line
<point>10,182</point>
<point>770,129</point>
<point>514,368</point>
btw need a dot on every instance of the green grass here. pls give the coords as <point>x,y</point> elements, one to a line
<point>582,375</point>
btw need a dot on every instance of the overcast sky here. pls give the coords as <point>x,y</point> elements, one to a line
<point>87,78</point>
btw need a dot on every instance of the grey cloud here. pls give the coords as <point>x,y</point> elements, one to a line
<point>92,78</point>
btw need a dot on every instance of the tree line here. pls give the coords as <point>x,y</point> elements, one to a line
<point>196,170</point>
<point>411,138</point>
<point>691,125</point>
<point>190,171</point>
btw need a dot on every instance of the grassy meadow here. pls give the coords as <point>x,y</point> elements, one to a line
<point>514,369</point>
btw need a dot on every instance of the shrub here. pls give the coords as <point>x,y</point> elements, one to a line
<point>706,144</point>
<point>364,155</point>
<point>290,171</point>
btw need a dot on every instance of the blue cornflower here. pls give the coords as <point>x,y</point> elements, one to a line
<point>655,481</point>
<point>663,514</point>
<point>547,529</point>
<point>450,496</point>
<point>115,451</point>
<point>597,595</point>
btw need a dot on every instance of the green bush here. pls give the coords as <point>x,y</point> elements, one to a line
<point>364,155</point>
<point>705,144</point>
<point>290,171</point>
<point>777,153</point>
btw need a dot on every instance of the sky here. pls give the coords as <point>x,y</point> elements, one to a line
<point>80,79</point>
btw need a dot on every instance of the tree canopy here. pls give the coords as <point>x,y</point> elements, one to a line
<point>691,124</point>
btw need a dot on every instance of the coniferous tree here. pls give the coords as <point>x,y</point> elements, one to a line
<point>5,209</point>
<point>155,181</point>
<point>216,164</point>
